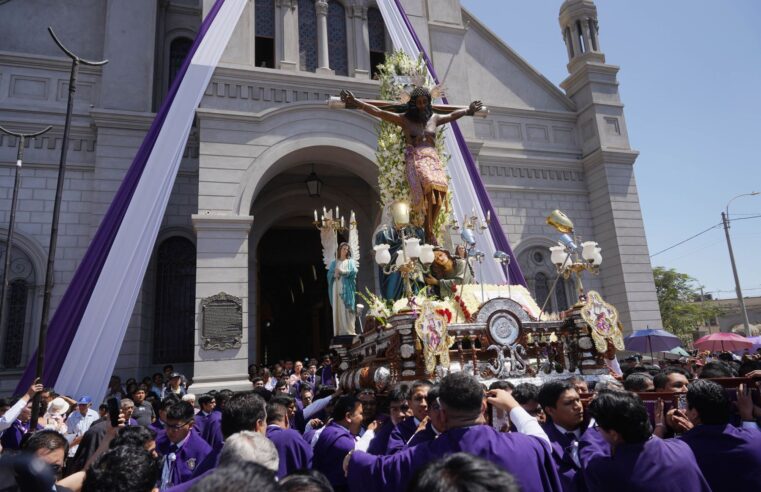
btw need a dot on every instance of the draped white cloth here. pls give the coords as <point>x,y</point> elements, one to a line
<point>93,353</point>
<point>464,198</point>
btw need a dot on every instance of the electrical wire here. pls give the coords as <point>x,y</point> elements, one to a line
<point>701,233</point>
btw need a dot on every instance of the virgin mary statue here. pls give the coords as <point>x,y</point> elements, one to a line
<point>342,290</point>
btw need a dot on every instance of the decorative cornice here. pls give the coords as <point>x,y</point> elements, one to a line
<point>321,7</point>
<point>567,116</point>
<point>609,156</point>
<point>217,222</point>
<point>43,62</point>
<point>444,27</point>
<point>128,120</point>
<point>359,12</point>
<point>290,79</point>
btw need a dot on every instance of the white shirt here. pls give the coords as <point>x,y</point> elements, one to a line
<point>12,414</point>
<point>575,446</point>
<point>77,424</point>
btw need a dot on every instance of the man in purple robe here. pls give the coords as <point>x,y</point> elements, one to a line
<point>206,404</point>
<point>404,431</point>
<point>293,450</point>
<point>564,426</point>
<point>12,436</point>
<point>618,448</point>
<point>337,439</point>
<point>527,457</point>
<point>435,420</point>
<point>159,425</point>
<point>398,410</point>
<point>182,450</point>
<point>325,373</point>
<point>730,458</point>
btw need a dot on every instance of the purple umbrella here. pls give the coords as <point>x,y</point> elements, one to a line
<point>650,341</point>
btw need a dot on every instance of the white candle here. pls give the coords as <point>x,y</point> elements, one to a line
<point>324,211</point>
<point>342,221</point>
<point>315,215</point>
<point>337,214</point>
<point>488,215</point>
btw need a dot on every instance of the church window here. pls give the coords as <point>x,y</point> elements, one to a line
<point>174,313</point>
<point>377,34</point>
<point>593,34</point>
<point>541,288</point>
<point>540,274</point>
<point>307,35</point>
<point>19,300</point>
<point>264,39</point>
<point>580,36</point>
<point>178,50</point>
<point>337,53</point>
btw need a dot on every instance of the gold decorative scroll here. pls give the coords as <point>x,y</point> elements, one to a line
<point>602,319</point>
<point>431,329</point>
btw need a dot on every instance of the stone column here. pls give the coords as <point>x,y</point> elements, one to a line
<point>577,51</point>
<point>323,61</point>
<point>287,44</point>
<point>221,266</point>
<point>361,41</point>
<point>585,33</point>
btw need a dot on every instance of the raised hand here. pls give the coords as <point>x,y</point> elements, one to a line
<point>475,107</point>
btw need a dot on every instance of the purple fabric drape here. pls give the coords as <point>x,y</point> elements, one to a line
<point>65,321</point>
<point>497,234</point>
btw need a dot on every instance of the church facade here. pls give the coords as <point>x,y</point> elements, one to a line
<point>240,217</point>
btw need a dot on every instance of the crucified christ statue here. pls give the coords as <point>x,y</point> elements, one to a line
<point>425,172</point>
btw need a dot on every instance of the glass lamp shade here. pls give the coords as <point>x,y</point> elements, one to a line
<point>426,254</point>
<point>468,237</point>
<point>382,255</point>
<point>400,213</point>
<point>401,258</point>
<point>557,255</point>
<point>597,257</point>
<point>412,247</point>
<point>313,184</point>
<point>588,250</point>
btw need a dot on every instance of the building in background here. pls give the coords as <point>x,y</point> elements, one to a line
<point>239,219</point>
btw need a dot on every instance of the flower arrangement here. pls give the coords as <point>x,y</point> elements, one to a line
<point>377,307</point>
<point>397,71</point>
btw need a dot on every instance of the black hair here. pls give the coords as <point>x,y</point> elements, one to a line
<point>122,469</point>
<point>420,383</point>
<point>345,404</point>
<point>136,435</point>
<point>169,401</point>
<point>660,379</point>
<point>716,369</point>
<point>710,401</point>
<point>205,399</point>
<point>550,392</point>
<point>276,411</point>
<point>622,412</point>
<point>46,439</point>
<point>462,472</point>
<point>245,475</point>
<point>412,111</point>
<point>502,385</point>
<point>525,392</point>
<point>242,412</point>
<point>306,481</point>
<point>399,392</point>
<point>182,411</point>
<point>461,391</point>
<point>263,393</point>
<point>223,396</point>
<point>637,381</point>
<point>433,396</point>
<point>282,399</point>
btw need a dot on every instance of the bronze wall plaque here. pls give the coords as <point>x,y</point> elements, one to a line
<point>222,327</point>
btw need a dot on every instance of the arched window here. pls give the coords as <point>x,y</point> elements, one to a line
<point>264,38</point>
<point>178,50</point>
<point>174,318</point>
<point>19,299</point>
<point>337,53</point>
<point>307,36</point>
<point>377,33</point>
<point>540,274</point>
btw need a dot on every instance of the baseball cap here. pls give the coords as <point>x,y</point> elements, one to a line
<point>85,400</point>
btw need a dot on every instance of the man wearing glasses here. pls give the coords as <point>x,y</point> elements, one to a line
<point>181,448</point>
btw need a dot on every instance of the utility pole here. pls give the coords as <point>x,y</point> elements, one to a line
<point>738,290</point>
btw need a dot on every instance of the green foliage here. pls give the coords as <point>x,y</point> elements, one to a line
<point>677,295</point>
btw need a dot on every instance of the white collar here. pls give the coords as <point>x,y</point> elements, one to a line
<point>565,431</point>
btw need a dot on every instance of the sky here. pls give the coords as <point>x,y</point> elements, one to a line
<point>690,81</point>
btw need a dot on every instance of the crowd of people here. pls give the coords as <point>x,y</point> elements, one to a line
<point>295,430</point>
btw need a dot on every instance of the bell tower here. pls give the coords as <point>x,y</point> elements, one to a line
<point>608,163</point>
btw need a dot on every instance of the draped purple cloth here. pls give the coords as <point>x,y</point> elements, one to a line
<point>67,317</point>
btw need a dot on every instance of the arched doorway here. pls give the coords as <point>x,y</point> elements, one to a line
<point>289,309</point>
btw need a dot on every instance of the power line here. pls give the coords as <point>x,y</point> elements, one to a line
<point>701,233</point>
<point>685,240</point>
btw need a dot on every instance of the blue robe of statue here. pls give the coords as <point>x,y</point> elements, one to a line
<point>344,309</point>
<point>656,465</point>
<point>527,458</point>
<point>730,458</point>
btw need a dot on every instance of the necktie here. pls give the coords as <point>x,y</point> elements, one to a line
<point>573,448</point>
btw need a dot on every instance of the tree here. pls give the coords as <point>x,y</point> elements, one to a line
<point>677,296</point>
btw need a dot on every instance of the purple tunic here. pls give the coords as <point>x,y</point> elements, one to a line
<point>294,452</point>
<point>730,458</point>
<point>331,448</point>
<point>189,456</point>
<point>527,458</point>
<point>570,478</point>
<point>210,462</point>
<point>200,421</point>
<point>425,435</point>
<point>325,374</point>
<point>657,465</point>
<point>212,429</point>
<point>379,444</point>
<point>12,436</point>
<point>401,434</point>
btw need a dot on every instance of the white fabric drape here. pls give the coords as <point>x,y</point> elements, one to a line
<point>464,198</point>
<point>93,353</point>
